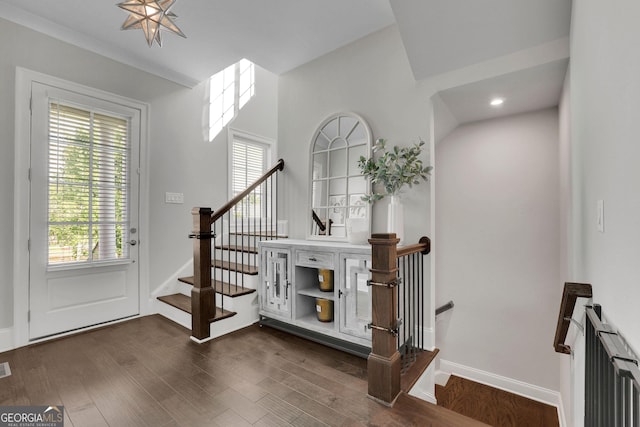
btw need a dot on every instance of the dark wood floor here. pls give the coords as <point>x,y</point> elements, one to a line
<point>146,372</point>
<point>493,406</point>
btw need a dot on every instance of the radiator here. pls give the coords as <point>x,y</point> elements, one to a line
<point>612,377</point>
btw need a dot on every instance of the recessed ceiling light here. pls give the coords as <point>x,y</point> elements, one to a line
<point>496,102</point>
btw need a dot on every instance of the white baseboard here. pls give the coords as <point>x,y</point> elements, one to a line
<point>424,388</point>
<point>429,337</point>
<point>12,345</point>
<point>521,388</point>
<point>6,339</point>
<point>442,378</point>
<point>561,415</point>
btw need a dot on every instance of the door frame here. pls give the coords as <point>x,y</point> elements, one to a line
<point>22,210</point>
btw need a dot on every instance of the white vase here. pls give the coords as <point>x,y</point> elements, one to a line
<point>395,217</point>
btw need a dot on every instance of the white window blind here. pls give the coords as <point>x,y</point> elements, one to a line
<point>248,163</point>
<point>88,185</point>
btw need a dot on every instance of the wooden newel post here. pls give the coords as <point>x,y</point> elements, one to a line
<point>383,365</point>
<point>202,294</point>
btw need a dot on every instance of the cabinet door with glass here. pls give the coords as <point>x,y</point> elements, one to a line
<point>275,292</point>
<point>355,298</point>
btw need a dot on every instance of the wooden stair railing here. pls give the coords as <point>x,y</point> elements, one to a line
<point>279,166</point>
<point>203,297</point>
<point>570,294</point>
<point>385,365</point>
<point>203,294</point>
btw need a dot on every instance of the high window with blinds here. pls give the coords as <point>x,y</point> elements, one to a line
<point>248,163</point>
<point>230,90</point>
<point>88,185</point>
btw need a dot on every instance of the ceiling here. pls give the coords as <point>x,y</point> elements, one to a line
<point>441,36</point>
<point>530,89</point>
<point>280,35</point>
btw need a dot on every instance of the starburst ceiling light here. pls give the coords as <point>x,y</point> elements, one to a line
<point>151,16</point>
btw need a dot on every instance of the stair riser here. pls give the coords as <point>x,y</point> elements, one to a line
<point>240,240</point>
<point>227,302</point>
<point>246,307</point>
<point>249,281</point>
<point>184,288</point>
<point>174,314</point>
<point>236,256</point>
<point>250,226</point>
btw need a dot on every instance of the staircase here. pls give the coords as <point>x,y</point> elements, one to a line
<point>220,296</point>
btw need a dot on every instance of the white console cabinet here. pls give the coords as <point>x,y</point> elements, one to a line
<point>290,277</point>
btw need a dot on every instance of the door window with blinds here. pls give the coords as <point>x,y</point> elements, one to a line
<point>88,185</point>
<point>250,157</point>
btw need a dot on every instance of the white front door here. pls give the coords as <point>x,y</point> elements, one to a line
<point>83,257</point>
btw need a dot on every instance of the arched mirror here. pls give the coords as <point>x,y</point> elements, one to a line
<point>336,184</point>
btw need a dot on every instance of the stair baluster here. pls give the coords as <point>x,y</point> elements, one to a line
<point>397,292</point>
<point>245,227</point>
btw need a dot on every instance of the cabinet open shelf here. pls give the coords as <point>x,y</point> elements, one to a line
<point>298,268</point>
<point>316,293</point>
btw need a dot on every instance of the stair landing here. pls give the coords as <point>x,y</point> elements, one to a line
<point>416,412</point>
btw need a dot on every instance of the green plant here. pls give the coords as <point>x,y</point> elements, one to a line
<point>393,169</point>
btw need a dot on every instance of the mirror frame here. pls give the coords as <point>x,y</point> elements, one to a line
<point>368,147</point>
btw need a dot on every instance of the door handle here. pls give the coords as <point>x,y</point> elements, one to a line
<point>133,242</point>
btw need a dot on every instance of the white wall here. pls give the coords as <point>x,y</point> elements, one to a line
<point>180,159</point>
<point>32,50</point>
<point>605,101</point>
<point>184,161</point>
<point>497,252</point>
<point>370,77</point>
<point>605,107</point>
<point>566,240</point>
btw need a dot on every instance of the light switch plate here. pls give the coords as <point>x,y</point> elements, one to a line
<point>600,216</point>
<point>176,198</point>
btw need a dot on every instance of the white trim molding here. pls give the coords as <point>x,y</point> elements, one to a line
<point>82,40</point>
<point>424,388</point>
<point>22,160</point>
<point>530,391</point>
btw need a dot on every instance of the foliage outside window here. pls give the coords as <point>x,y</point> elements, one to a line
<point>88,186</point>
